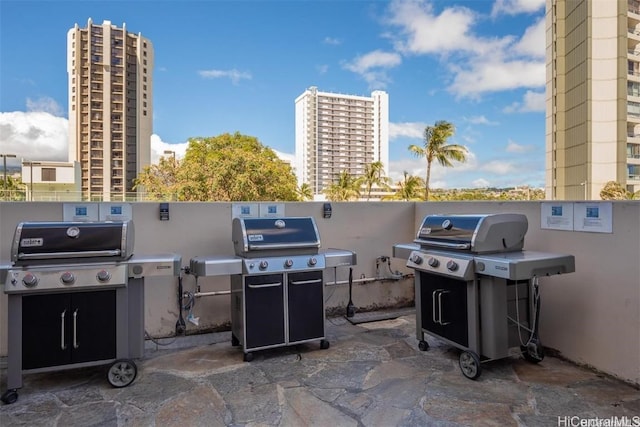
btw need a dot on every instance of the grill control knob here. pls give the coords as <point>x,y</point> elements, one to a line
<point>312,261</point>
<point>288,263</point>
<point>433,262</point>
<point>30,280</point>
<point>263,265</point>
<point>452,266</point>
<point>103,276</point>
<point>416,259</point>
<point>67,278</point>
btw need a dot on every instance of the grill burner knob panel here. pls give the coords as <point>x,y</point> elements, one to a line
<point>452,265</point>
<point>263,265</point>
<point>67,278</point>
<point>103,276</point>
<point>29,280</point>
<point>433,262</point>
<point>312,261</point>
<point>288,263</point>
<point>416,259</point>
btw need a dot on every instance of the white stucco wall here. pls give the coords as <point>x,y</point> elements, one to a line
<point>591,316</point>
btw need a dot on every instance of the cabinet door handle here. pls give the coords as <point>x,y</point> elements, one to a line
<point>63,346</point>
<point>75,327</point>
<point>305,282</point>
<point>433,306</point>
<point>440,307</point>
<point>266,285</point>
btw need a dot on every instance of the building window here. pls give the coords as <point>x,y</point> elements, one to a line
<point>48,174</point>
<point>144,112</point>
<point>145,63</point>
<point>633,109</point>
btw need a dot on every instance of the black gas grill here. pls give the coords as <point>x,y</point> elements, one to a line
<point>76,298</point>
<point>277,283</point>
<point>475,288</point>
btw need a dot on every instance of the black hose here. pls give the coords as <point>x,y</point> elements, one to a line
<point>351,310</point>
<point>181,327</point>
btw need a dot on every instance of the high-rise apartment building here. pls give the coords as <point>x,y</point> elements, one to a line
<point>593,97</point>
<point>336,132</point>
<point>110,107</point>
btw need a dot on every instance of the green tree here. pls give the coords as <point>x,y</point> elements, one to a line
<point>228,167</point>
<point>374,175</point>
<point>305,192</point>
<point>435,147</point>
<point>159,181</point>
<point>613,190</point>
<point>12,190</point>
<point>410,188</point>
<point>346,188</point>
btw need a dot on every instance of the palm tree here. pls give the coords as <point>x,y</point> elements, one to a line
<point>436,148</point>
<point>305,192</point>
<point>346,188</point>
<point>410,188</point>
<point>374,175</point>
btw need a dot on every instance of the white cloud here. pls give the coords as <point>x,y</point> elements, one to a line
<point>409,130</point>
<point>234,75</point>
<point>499,167</point>
<point>322,69</point>
<point>514,7</point>
<point>332,41</point>
<point>480,183</point>
<point>287,157</point>
<point>158,147</point>
<point>514,147</point>
<point>372,67</point>
<point>478,64</point>
<point>45,105</point>
<point>481,120</point>
<point>35,135</point>
<point>426,32</point>
<point>531,102</point>
<point>497,75</point>
<point>533,41</point>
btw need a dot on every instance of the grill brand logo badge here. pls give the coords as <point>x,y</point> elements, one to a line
<point>255,237</point>
<point>32,242</point>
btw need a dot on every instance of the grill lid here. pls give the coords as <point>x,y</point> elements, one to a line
<point>274,234</point>
<point>46,241</point>
<point>486,233</point>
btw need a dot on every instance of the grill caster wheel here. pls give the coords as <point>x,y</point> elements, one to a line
<point>9,396</point>
<point>248,357</point>
<point>324,344</point>
<point>234,341</point>
<point>470,365</point>
<point>423,345</point>
<point>121,373</point>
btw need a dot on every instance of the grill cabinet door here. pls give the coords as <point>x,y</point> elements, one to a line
<point>264,310</point>
<point>306,306</point>
<point>53,336</point>
<point>94,326</point>
<point>444,307</point>
<point>45,331</point>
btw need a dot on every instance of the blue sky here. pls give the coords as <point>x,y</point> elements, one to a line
<point>227,66</point>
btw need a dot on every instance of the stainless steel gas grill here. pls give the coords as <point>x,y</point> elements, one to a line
<point>76,298</point>
<point>476,289</point>
<point>277,284</point>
